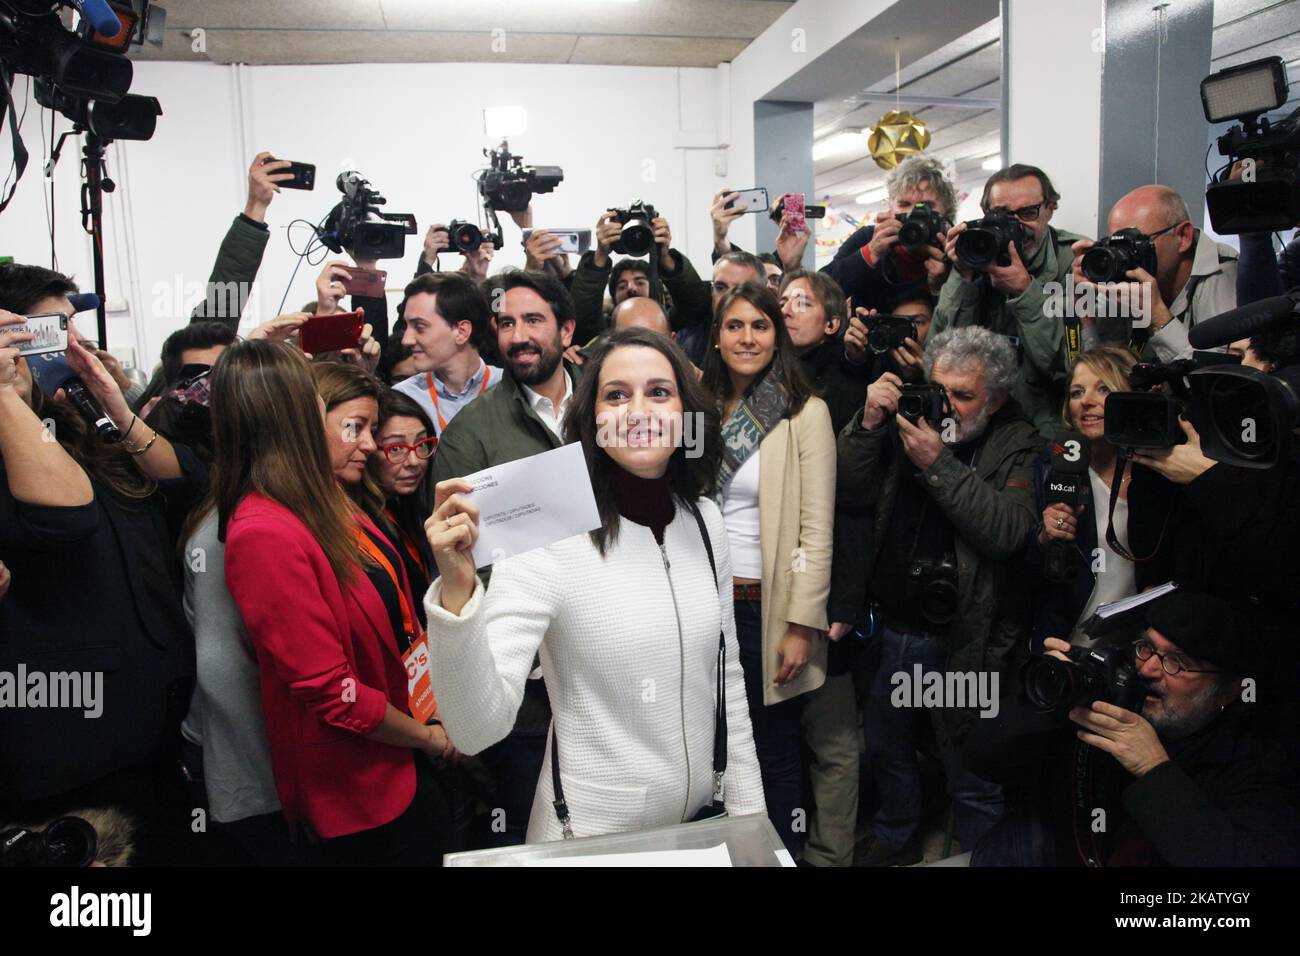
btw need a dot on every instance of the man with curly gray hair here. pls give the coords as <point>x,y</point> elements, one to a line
<point>871,267</point>
<point>946,506</point>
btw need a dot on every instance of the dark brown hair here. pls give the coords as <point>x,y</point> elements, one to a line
<point>339,382</point>
<point>825,290</point>
<point>688,477</point>
<point>716,377</point>
<point>1019,171</point>
<point>414,509</point>
<point>268,438</point>
<point>459,299</point>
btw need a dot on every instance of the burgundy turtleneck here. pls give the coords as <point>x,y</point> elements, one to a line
<point>644,501</point>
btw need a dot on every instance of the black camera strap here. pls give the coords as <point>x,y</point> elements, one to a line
<point>7,108</point>
<point>719,713</point>
<point>1112,539</point>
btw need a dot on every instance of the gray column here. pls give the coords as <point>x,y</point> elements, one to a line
<point>783,138</point>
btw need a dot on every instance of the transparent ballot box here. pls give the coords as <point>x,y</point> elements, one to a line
<point>723,841</point>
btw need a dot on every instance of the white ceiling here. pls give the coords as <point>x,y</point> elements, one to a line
<point>1244,30</point>
<point>685,33</point>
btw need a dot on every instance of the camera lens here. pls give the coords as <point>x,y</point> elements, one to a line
<point>637,238</point>
<point>1049,684</point>
<point>465,237</point>
<point>978,248</point>
<point>1104,264</point>
<point>913,234</point>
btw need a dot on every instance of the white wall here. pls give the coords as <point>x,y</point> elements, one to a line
<point>415,130</point>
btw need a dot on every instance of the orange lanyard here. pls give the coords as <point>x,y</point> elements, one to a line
<point>433,393</point>
<point>408,618</point>
<point>407,543</point>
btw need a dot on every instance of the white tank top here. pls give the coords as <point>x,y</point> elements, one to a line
<point>740,513</point>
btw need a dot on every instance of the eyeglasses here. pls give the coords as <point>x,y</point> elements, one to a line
<point>1172,664</point>
<point>397,452</point>
<point>1161,232</point>
<point>1025,214</point>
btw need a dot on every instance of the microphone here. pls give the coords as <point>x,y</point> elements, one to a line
<point>100,16</point>
<point>52,372</point>
<point>1240,323</point>
<point>1067,484</point>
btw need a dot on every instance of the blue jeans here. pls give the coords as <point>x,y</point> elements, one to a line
<point>778,732</point>
<point>891,734</point>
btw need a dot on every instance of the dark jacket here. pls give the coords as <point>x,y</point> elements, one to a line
<point>1226,797</point>
<point>843,392</point>
<point>98,589</point>
<point>1154,512</point>
<point>868,284</point>
<point>692,301</point>
<point>238,259</point>
<point>990,509</point>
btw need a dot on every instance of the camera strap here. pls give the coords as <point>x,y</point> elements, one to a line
<point>1112,539</point>
<point>7,108</point>
<point>719,715</point>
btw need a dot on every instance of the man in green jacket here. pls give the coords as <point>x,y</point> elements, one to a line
<point>522,416</point>
<point>941,514</point>
<point>689,294</point>
<point>1015,300</point>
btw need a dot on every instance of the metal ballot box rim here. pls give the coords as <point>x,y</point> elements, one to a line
<point>750,840</point>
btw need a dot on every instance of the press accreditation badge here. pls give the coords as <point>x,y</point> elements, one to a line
<point>419,688</point>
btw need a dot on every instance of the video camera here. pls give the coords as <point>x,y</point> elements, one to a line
<point>357,225</point>
<point>638,235</point>
<point>507,185</point>
<point>1112,258</point>
<point>984,241</point>
<point>83,73</point>
<point>1267,196</point>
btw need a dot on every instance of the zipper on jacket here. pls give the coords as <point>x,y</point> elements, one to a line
<point>681,681</point>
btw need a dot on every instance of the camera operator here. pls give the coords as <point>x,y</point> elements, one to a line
<point>1195,277</point>
<point>871,267</point>
<point>945,522</point>
<point>89,530</point>
<point>1147,513</point>
<point>1011,299</point>
<point>905,361</point>
<point>1187,777</point>
<point>687,294</point>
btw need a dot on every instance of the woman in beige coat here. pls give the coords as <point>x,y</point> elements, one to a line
<point>777,492</point>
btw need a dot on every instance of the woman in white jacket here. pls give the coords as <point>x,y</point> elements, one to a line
<point>626,619</point>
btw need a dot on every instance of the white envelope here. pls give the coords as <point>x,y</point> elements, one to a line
<point>532,502</point>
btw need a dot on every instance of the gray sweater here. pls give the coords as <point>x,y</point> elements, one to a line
<point>225,716</point>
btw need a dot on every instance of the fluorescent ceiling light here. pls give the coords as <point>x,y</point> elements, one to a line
<point>992,164</point>
<point>872,197</point>
<point>836,143</point>
<point>504,121</point>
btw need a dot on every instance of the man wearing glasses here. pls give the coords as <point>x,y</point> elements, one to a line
<point>1196,277</point>
<point>1011,300</point>
<point>1193,779</point>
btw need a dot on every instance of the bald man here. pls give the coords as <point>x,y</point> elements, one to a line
<point>1196,277</point>
<point>641,312</point>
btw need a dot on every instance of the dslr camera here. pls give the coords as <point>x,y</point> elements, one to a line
<point>638,235</point>
<point>929,402</point>
<point>1100,672</point>
<point>984,243</point>
<point>465,236</point>
<point>507,185</point>
<point>920,228</point>
<point>1267,196</point>
<point>67,841</point>
<point>357,224</point>
<point>886,332</point>
<point>1113,257</point>
<point>932,584</point>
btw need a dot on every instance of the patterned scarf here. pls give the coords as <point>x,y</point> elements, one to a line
<point>759,410</point>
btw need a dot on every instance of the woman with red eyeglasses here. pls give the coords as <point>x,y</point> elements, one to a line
<point>400,469</point>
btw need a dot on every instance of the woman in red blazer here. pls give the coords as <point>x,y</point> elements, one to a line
<point>325,618</point>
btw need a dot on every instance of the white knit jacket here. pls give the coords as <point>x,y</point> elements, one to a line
<point>629,651</point>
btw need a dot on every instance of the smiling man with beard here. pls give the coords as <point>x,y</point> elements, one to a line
<point>1193,777</point>
<point>533,319</point>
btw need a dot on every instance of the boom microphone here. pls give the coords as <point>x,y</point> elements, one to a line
<point>1241,323</point>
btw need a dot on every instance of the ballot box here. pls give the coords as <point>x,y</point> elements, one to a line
<point>723,841</point>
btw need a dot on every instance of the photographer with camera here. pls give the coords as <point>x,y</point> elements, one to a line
<point>903,251</point>
<point>1002,263</point>
<point>1187,275</point>
<point>1175,762</point>
<point>894,342</point>
<point>81,516</point>
<point>1072,567</point>
<point>438,239</point>
<point>635,231</point>
<point>947,518</point>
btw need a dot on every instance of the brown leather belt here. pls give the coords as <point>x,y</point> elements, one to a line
<point>748,592</point>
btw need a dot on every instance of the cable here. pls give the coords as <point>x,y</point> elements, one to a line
<point>4,190</point>
<point>312,245</point>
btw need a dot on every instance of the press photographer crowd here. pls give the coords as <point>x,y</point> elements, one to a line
<point>984,529</point>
